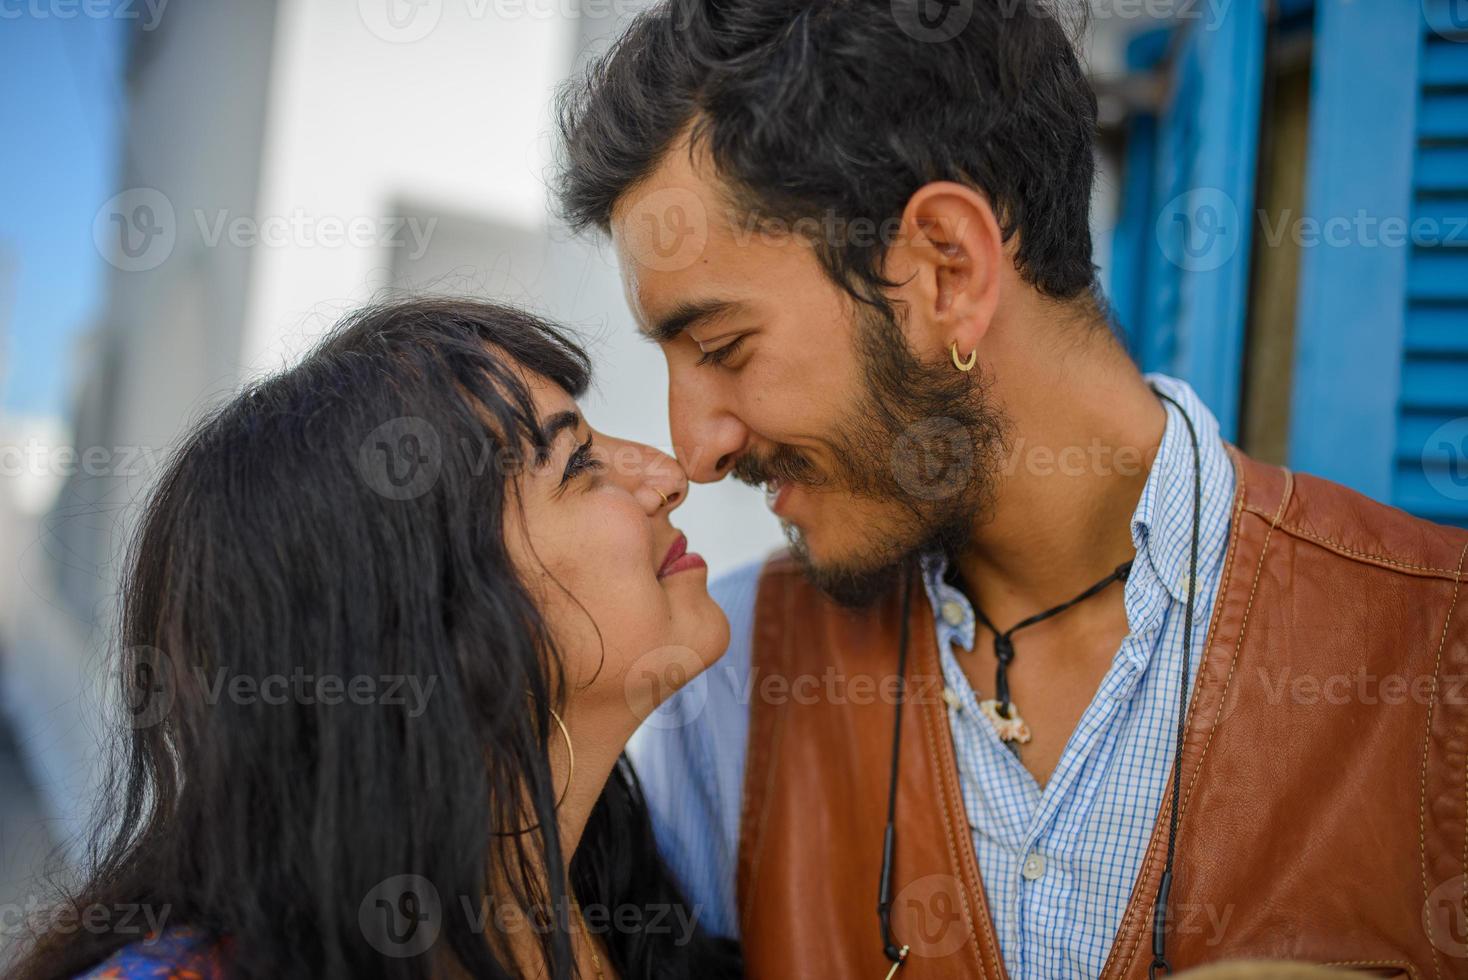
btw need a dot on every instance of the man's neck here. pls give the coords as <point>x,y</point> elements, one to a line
<point>1083,441</point>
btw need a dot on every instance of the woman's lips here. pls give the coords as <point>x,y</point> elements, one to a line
<point>680,559</point>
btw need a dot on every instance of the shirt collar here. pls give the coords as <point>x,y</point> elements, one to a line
<point>952,611</point>
<point>1162,523</point>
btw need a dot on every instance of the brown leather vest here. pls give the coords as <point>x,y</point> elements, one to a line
<point>1324,805</point>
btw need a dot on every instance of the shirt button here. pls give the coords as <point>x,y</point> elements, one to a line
<point>952,613</point>
<point>1033,868</point>
<point>950,698</point>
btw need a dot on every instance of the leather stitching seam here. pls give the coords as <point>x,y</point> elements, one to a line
<point>1154,847</point>
<point>1426,752</point>
<point>1394,964</point>
<point>1352,552</point>
<point>1239,643</point>
<point>762,802</point>
<point>948,837</point>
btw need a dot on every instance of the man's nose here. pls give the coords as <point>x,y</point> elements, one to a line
<point>707,436</point>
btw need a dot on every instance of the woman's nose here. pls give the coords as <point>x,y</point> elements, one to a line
<point>654,478</point>
<point>665,479</point>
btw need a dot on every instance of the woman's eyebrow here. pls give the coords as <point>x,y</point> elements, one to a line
<point>558,423</point>
<point>552,428</point>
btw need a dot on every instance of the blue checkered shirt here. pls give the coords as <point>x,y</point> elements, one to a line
<point>1058,862</point>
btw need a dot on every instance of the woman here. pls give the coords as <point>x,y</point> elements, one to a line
<point>390,618</point>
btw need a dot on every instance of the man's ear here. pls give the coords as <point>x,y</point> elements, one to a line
<point>946,260</point>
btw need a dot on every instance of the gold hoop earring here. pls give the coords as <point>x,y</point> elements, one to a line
<point>570,774</point>
<point>570,756</point>
<point>968,365</point>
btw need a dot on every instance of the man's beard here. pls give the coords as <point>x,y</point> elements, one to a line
<point>923,437</point>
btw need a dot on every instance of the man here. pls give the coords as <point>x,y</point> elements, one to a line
<point>860,238</point>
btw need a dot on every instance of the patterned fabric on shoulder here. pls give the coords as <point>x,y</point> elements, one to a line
<point>178,953</point>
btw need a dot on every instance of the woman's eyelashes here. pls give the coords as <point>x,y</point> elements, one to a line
<point>723,354</point>
<point>581,460</point>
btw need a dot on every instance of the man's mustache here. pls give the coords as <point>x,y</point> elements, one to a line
<point>783,465</point>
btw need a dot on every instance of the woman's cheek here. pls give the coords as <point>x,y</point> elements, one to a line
<point>624,532</point>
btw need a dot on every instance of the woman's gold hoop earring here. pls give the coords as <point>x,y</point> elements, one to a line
<point>967,365</point>
<point>570,756</point>
<point>570,774</point>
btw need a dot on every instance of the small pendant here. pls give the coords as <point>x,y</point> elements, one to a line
<point>1011,729</point>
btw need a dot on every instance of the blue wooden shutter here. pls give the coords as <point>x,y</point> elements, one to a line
<point>1126,286</point>
<point>1432,433</point>
<point>1381,388</point>
<point>1195,238</point>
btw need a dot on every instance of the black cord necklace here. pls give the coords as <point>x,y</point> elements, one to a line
<point>1160,965</point>
<point>1017,731</point>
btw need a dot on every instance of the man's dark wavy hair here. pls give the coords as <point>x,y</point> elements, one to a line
<point>840,110</point>
<point>272,544</point>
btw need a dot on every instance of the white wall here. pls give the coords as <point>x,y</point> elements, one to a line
<point>362,117</point>
<point>445,119</point>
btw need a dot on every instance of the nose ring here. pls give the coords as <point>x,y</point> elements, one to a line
<point>661,494</point>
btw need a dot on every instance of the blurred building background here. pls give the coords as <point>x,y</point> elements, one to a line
<point>1282,219</point>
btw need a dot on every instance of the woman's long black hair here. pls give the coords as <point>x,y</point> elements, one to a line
<point>345,519</point>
